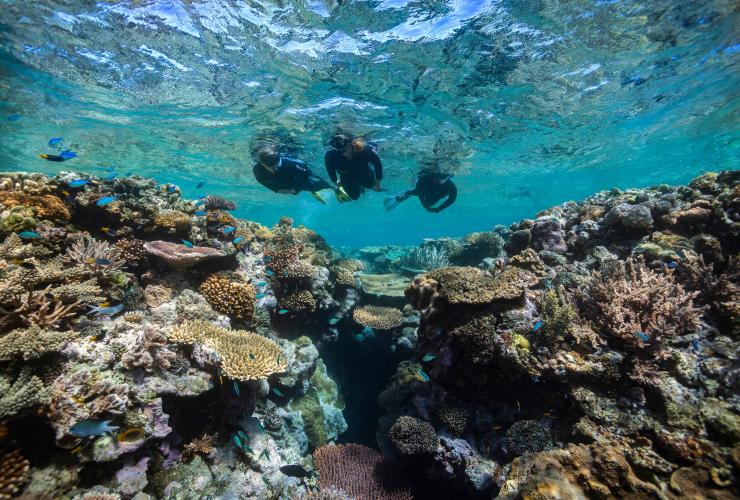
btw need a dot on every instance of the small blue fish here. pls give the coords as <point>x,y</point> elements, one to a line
<point>14,118</point>
<point>359,338</point>
<point>200,213</point>
<point>78,183</point>
<point>228,229</point>
<point>261,283</point>
<point>269,272</point>
<point>245,438</point>
<point>236,388</point>
<point>105,311</point>
<point>423,375</point>
<point>201,184</point>
<point>110,177</point>
<point>237,240</point>
<point>695,345</point>
<point>91,427</point>
<point>265,453</point>
<point>55,140</point>
<point>29,235</point>
<point>642,336</point>
<point>102,262</point>
<point>672,265</point>
<point>237,441</point>
<point>171,188</point>
<point>428,357</point>
<point>334,321</point>
<point>368,331</point>
<point>68,154</point>
<point>537,326</point>
<point>129,173</point>
<point>260,296</point>
<point>267,258</point>
<point>105,200</point>
<point>199,203</point>
<point>110,169</point>
<point>283,311</point>
<point>202,196</point>
<point>187,243</point>
<point>278,392</point>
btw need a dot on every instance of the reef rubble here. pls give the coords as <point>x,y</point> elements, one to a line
<point>157,347</point>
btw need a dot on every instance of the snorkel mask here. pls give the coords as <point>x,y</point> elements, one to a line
<point>340,141</point>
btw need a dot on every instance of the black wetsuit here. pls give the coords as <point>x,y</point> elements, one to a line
<point>292,175</point>
<point>355,173</point>
<point>430,191</point>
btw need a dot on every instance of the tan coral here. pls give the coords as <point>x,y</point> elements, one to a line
<point>299,301</point>
<point>195,332</point>
<point>32,343</point>
<point>45,206</point>
<point>378,317</point>
<point>229,296</point>
<point>248,356</point>
<point>13,471</point>
<point>529,260</point>
<point>344,277</point>
<point>203,445</point>
<point>172,219</point>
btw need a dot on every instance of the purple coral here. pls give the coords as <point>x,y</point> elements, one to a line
<point>180,256</point>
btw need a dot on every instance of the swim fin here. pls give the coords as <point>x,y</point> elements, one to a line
<point>318,197</point>
<point>391,202</point>
<point>341,194</point>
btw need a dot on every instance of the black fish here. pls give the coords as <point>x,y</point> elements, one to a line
<point>295,471</point>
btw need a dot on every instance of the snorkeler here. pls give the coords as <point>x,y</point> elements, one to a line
<point>351,158</point>
<point>431,188</point>
<point>286,175</point>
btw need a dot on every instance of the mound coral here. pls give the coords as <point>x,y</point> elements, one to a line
<point>13,470</point>
<point>527,436</point>
<point>360,472</point>
<point>413,437</point>
<point>299,301</point>
<point>454,418</point>
<point>244,355</point>
<point>172,219</point>
<point>380,318</point>
<point>45,206</point>
<point>286,255</point>
<point>229,296</point>
<point>529,260</point>
<point>639,307</point>
<point>344,277</point>
<point>557,315</point>
<point>351,265</point>
<point>179,256</point>
<point>149,352</point>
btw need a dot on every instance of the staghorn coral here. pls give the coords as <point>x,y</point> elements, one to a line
<point>203,445</point>
<point>413,437</point>
<point>13,470</point>
<point>172,219</point>
<point>37,309</point>
<point>229,296</point>
<point>426,257</point>
<point>244,355</point>
<point>721,292</point>
<point>32,343</point>
<point>132,250</point>
<point>360,472</point>
<point>378,317</point>
<point>212,202</point>
<point>20,392</point>
<point>149,352</point>
<point>98,256</point>
<point>639,307</point>
<point>45,206</point>
<point>179,256</point>
<point>299,301</point>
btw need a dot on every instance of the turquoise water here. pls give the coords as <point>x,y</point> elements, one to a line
<point>530,103</point>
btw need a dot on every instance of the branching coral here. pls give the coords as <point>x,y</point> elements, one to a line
<point>360,472</point>
<point>14,248</point>
<point>229,296</point>
<point>721,292</point>
<point>132,250</point>
<point>557,315</point>
<point>413,437</point>
<point>426,257</point>
<point>639,307</point>
<point>45,206</point>
<point>204,445</point>
<point>180,256</point>
<point>244,355</point>
<point>380,318</point>
<point>218,203</point>
<point>529,260</point>
<point>13,470</point>
<point>32,343</point>
<point>454,418</point>
<point>351,265</point>
<point>344,277</point>
<point>300,301</point>
<point>286,255</point>
<point>18,393</point>
<point>86,292</point>
<point>37,309</point>
<point>98,256</point>
<point>149,352</point>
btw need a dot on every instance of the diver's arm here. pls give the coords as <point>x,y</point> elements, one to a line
<point>451,197</point>
<point>330,166</point>
<point>373,158</point>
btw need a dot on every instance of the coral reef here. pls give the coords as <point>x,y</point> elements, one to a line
<point>229,296</point>
<point>412,437</point>
<point>378,317</point>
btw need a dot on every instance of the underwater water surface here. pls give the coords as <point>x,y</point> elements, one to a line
<point>529,103</point>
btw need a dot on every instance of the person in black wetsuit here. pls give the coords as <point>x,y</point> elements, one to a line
<point>286,175</point>
<point>431,188</point>
<point>353,166</point>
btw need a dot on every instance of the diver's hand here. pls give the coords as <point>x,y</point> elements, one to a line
<point>377,186</point>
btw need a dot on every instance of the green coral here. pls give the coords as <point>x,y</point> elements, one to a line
<point>557,316</point>
<point>16,394</point>
<point>313,417</point>
<point>19,219</point>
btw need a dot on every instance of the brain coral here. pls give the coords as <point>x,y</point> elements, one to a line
<point>244,355</point>
<point>229,296</point>
<point>413,437</point>
<point>380,318</point>
<point>45,206</point>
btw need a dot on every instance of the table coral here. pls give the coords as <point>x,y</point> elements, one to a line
<point>229,296</point>
<point>180,256</point>
<point>378,317</point>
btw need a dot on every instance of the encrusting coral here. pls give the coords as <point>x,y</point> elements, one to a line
<point>229,296</point>
<point>378,317</point>
<point>360,472</point>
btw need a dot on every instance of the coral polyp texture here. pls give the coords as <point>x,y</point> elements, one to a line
<point>378,317</point>
<point>589,352</point>
<point>229,296</point>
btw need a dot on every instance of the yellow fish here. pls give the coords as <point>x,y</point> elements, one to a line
<point>131,435</point>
